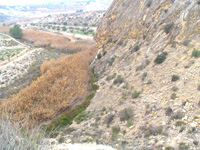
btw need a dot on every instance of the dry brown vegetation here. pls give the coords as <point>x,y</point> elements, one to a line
<point>50,40</point>
<point>62,82</point>
<point>46,39</point>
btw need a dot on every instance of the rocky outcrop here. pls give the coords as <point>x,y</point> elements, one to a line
<point>149,67</point>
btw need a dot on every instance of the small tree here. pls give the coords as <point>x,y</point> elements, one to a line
<point>85,24</point>
<point>65,23</point>
<point>16,32</point>
<point>64,28</point>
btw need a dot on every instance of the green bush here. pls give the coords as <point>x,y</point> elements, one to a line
<point>93,25</point>
<point>196,53</point>
<point>85,24</point>
<point>95,87</point>
<point>80,117</point>
<point>136,48</point>
<point>175,89</point>
<point>186,42</point>
<point>168,27</point>
<point>124,132</point>
<point>64,28</point>
<point>161,58</point>
<point>120,43</point>
<point>144,76</point>
<point>16,32</point>
<point>67,118</point>
<point>111,61</point>
<point>149,3</point>
<point>175,78</point>
<point>99,56</point>
<point>129,122</point>
<point>126,114</point>
<point>173,96</point>
<point>94,76</point>
<point>90,30</point>
<point>119,80</point>
<point>136,94</point>
<point>65,23</point>
<point>115,129</point>
<point>108,78</point>
<point>71,30</point>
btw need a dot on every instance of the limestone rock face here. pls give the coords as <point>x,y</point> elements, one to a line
<point>148,66</point>
<point>147,18</point>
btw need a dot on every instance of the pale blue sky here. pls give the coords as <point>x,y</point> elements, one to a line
<point>24,2</point>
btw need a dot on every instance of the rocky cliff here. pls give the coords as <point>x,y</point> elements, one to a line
<point>149,77</point>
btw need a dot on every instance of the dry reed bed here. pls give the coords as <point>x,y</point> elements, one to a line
<point>61,82</point>
<point>50,40</point>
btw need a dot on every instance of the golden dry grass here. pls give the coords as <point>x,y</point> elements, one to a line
<point>61,83</point>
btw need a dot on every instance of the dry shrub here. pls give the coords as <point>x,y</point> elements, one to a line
<point>61,84</point>
<point>46,65</point>
<point>46,39</point>
<point>14,136</point>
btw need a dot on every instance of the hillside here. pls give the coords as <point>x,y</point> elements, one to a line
<point>141,92</point>
<point>37,9</point>
<point>79,25</point>
<point>149,87</point>
<point>61,83</point>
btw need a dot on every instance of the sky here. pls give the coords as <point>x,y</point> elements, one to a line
<point>27,2</point>
<point>99,5</point>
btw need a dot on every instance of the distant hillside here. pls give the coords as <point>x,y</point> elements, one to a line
<point>58,7</point>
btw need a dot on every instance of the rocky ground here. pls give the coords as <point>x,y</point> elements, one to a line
<point>54,144</point>
<point>13,61</point>
<point>148,66</point>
